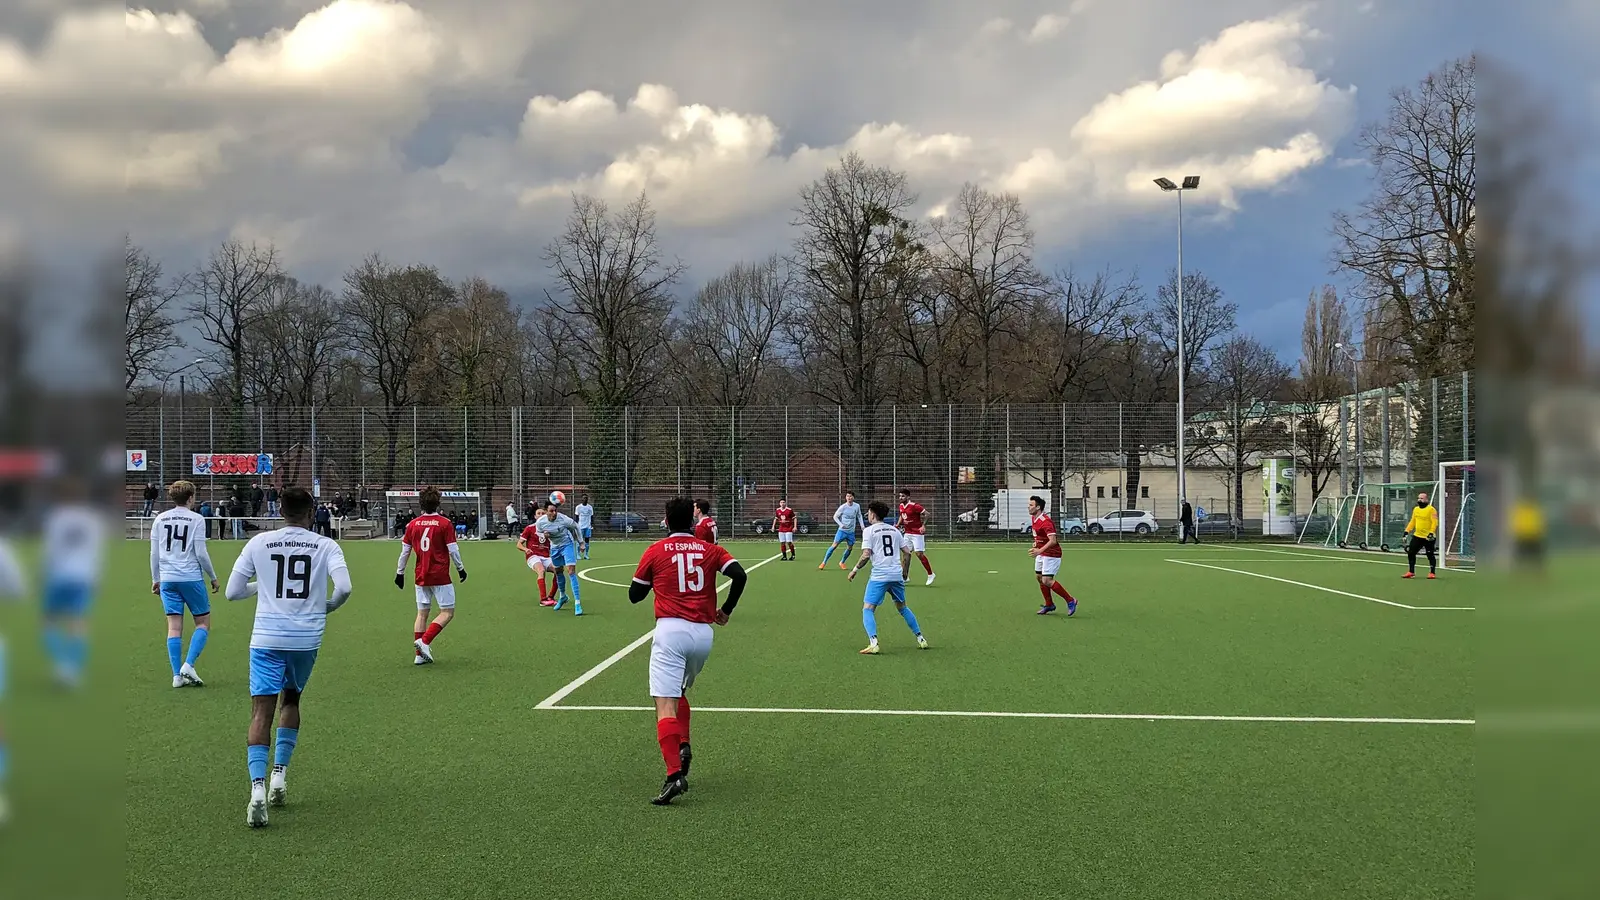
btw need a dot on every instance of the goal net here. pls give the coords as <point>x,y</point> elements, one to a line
<point>1457,504</point>
<point>1319,528</point>
<point>465,508</point>
<point>1375,518</point>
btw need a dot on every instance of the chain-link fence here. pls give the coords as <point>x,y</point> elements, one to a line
<point>973,466</point>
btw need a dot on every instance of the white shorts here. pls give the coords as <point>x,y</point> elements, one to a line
<point>785,537</point>
<point>678,651</point>
<point>1047,565</point>
<point>538,562</point>
<point>442,594</point>
<point>915,543</point>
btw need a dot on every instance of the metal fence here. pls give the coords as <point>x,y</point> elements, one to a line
<point>972,465</point>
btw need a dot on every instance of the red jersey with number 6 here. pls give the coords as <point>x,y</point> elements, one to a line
<point>682,570</point>
<point>1043,528</point>
<point>911,517</point>
<point>785,519</point>
<point>430,536</point>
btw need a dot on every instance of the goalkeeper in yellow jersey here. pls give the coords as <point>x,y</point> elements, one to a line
<point>1423,530</point>
<point>1527,532</point>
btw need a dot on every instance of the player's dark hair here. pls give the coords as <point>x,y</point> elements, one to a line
<point>850,494</point>
<point>905,493</point>
<point>181,492</point>
<point>296,504</point>
<point>879,509</point>
<point>680,515</point>
<point>429,499</point>
<point>1039,500</point>
<point>703,506</point>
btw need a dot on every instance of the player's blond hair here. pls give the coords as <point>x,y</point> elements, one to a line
<point>181,492</point>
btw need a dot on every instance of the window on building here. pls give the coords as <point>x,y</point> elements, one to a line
<point>1144,491</point>
<point>1100,492</point>
<point>1116,491</point>
<point>1086,492</point>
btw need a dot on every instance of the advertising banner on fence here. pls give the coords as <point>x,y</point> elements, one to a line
<point>1277,500</point>
<point>232,464</point>
<point>138,461</point>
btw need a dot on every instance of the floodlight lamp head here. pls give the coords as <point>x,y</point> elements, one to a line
<point>1166,184</point>
<point>1190,182</point>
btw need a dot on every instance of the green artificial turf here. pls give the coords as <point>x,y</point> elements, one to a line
<point>447,782</point>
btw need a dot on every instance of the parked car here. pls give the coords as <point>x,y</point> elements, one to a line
<point>1071,525</point>
<point>804,523</point>
<point>628,522</point>
<point>1124,520</point>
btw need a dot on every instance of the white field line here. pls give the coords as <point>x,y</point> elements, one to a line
<point>584,574</point>
<point>551,701</point>
<point>1318,587</point>
<point>950,713</point>
<point>1353,557</point>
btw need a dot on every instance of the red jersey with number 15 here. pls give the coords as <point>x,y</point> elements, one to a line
<point>1043,528</point>
<point>911,517</point>
<point>682,570</point>
<point>430,536</point>
<point>785,519</point>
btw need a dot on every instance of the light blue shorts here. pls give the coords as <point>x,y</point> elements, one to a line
<point>67,598</point>
<point>844,537</point>
<point>588,533</point>
<point>175,595</point>
<point>876,590</point>
<point>563,556</point>
<point>274,671</point>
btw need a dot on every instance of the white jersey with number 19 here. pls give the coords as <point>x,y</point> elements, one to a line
<point>882,542</point>
<point>292,567</point>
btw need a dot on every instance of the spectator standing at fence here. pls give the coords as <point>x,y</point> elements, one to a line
<point>1186,524</point>
<point>151,495</point>
<point>363,499</point>
<point>511,518</point>
<point>272,501</point>
<point>236,509</point>
<point>256,499</point>
<point>324,521</point>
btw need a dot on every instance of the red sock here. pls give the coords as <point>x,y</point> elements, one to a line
<point>433,631</point>
<point>541,587</point>
<point>683,719</point>
<point>418,637</point>
<point>1056,586</point>
<point>926,565</point>
<point>667,737</point>
<point>1045,590</point>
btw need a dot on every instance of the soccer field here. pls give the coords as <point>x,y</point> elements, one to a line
<point>1217,721</point>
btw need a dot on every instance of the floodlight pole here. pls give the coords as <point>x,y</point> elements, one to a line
<point>1190,183</point>
<point>1355,408</point>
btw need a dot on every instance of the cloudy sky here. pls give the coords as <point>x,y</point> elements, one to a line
<point>454,131</point>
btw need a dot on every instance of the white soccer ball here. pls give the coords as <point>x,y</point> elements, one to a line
<point>558,498</point>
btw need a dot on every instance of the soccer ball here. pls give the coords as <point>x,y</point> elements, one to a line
<point>558,498</point>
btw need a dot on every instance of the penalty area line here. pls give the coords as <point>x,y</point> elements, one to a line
<point>970,714</point>
<point>551,701</point>
<point>1318,587</point>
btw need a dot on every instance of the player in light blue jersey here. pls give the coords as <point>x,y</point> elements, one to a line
<point>880,547</point>
<point>848,518</point>
<point>585,513</point>
<point>563,538</point>
<point>292,567</point>
<point>73,547</point>
<point>178,562</point>
<point>12,587</point>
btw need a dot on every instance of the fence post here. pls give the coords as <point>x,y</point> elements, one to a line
<point>839,411</point>
<point>1344,462</point>
<point>627,501</point>
<point>363,412</point>
<point>733,467</point>
<point>785,452</point>
<point>1061,504</point>
<point>894,445</point>
<point>572,445</point>
<point>679,453</point>
<point>1434,466</point>
<point>161,432</point>
<point>466,453</point>
<point>1384,425</point>
<point>261,430</point>
<point>211,446</point>
<point>950,468</point>
<point>1405,422</point>
<point>1466,416</point>
<point>1005,474</point>
<point>315,492</point>
<point>415,451</point>
<point>1122,460</point>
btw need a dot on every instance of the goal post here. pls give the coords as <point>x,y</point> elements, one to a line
<point>1375,517</point>
<point>1320,527</point>
<point>1456,501</point>
<point>463,507</point>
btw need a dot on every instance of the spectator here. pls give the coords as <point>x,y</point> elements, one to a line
<point>1186,528</point>
<point>511,518</point>
<point>364,500</point>
<point>324,520</point>
<point>236,513</point>
<point>151,495</point>
<point>256,498</point>
<point>272,501</point>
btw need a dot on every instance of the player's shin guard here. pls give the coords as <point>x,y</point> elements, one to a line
<point>577,596</point>
<point>175,653</point>
<point>667,737</point>
<point>561,581</point>
<point>433,631</point>
<point>869,620</point>
<point>287,738</point>
<point>256,759</point>
<point>911,620</point>
<point>197,644</point>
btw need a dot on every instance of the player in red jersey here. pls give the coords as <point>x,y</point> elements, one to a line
<point>1046,555</point>
<point>783,523</point>
<point>433,538</point>
<point>682,570</point>
<point>705,527</point>
<point>535,549</point>
<point>914,537</point>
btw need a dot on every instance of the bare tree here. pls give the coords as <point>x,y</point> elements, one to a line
<point>1208,318</point>
<point>1412,243</point>
<point>150,325</point>
<point>614,297</point>
<point>984,250</point>
<point>729,330</point>
<point>230,292</point>
<point>1320,385</point>
<point>1077,327</point>
<point>480,344</point>
<point>1249,380</point>
<point>394,315</point>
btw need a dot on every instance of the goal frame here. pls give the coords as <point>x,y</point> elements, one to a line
<point>1454,536</point>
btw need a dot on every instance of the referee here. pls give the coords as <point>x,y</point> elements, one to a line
<point>1424,531</point>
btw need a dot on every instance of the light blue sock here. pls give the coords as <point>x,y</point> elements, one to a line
<point>4,763</point>
<point>829,555</point>
<point>561,581</point>
<point>55,644</point>
<point>256,756</point>
<point>197,644</point>
<point>905,613</point>
<point>577,597</point>
<point>175,653</point>
<point>78,652</point>
<point>848,549</point>
<point>869,618</point>
<point>287,737</point>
